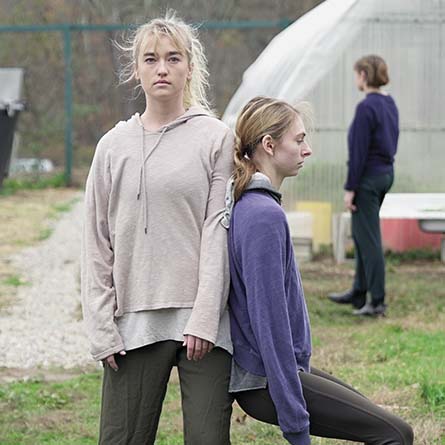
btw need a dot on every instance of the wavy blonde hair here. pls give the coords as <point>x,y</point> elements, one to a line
<point>185,38</point>
<point>261,116</point>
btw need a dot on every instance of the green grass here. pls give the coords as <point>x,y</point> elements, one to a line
<point>65,207</point>
<point>398,357</point>
<point>54,213</point>
<point>45,233</point>
<point>14,281</point>
<point>434,395</point>
<point>426,254</point>
<point>398,361</point>
<point>38,412</point>
<point>34,182</point>
<point>396,258</point>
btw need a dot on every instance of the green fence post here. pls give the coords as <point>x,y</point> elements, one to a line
<point>67,52</point>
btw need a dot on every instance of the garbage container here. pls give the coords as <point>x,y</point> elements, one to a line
<point>11,103</point>
<point>7,127</point>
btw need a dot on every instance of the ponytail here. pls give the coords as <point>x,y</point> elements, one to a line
<point>244,169</point>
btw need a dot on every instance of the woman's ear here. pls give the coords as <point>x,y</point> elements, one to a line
<point>268,144</point>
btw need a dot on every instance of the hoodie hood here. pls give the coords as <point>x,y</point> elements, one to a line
<point>259,181</point>
<point>262,182</point>
<point>191,113</point>
<point>134,126</point>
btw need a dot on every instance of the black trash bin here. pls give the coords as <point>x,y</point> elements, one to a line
<point>7,128</point>
<point>11,81</point>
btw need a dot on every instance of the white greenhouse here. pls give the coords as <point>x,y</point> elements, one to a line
<point>312,60</point>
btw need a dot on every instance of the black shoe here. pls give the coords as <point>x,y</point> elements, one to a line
<point>371,311</point>
<point>354,297</point>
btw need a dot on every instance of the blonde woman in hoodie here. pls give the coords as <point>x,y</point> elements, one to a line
<point>154,256</point>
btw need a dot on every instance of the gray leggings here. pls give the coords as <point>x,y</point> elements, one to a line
<point>336,410</point>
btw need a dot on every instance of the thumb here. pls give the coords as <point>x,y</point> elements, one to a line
<point>122,353</point>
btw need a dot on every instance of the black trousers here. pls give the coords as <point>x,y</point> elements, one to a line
<point>336,410</point>
<point>365,224</point>
<point>132,397</point>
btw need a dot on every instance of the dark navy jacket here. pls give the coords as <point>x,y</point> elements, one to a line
<point>372,138</point>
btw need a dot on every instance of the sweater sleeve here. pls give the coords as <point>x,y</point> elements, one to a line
<point>264,264</point>
<point>97,257</point>
<point>214,278</point>
<point>359,138</point>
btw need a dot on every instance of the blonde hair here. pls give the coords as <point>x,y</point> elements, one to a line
<point>185,38</point>
<point>261,116</point>
<point>375,69</point>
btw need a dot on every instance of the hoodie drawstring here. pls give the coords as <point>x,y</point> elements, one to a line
<point>142,186</point>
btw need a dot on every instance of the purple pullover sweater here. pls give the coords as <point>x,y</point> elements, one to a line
<point>372,138</point>
<point>269,320</point>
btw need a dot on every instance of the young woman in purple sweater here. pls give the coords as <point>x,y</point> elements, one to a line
<point>271,376</point>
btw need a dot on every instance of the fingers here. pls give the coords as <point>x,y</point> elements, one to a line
<point>350,206</point>
<point>112,363</point>
<point>206,347</point>
<point>190,343</point>
<point>197,347</point>
<point>348,200</point>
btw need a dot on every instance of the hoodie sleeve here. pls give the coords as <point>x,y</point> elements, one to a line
<point>264,265</point>
<point>97,257</point>
<point>214,278</point>
<point>359,138</point>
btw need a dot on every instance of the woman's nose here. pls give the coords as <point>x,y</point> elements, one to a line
<point>307,151</point>
<point>162,67</point>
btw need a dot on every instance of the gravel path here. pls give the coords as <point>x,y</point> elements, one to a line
<point>43,328</point>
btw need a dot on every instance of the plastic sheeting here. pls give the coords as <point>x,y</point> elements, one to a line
<point>297,58</point>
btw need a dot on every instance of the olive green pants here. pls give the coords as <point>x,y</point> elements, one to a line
<point>132,397</point>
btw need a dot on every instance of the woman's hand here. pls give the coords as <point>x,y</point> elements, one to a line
<point>111,362</point>
<point>349,200</point>
<point>197,347</point>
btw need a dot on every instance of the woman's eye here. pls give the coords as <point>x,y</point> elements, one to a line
<point>300,141</point>
<point>150,60</point>
<point>174,59</point>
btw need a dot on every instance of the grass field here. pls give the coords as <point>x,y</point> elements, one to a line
<point>398,361</point>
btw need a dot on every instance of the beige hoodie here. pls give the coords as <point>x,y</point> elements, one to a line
<point>152,236</point>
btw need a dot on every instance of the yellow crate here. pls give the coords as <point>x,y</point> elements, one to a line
<point>322,219</point>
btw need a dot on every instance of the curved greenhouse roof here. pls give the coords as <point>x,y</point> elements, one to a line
<point>312,60</point>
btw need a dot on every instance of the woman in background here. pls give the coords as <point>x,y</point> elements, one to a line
<point>271,375</point>
<point>372,143</point>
